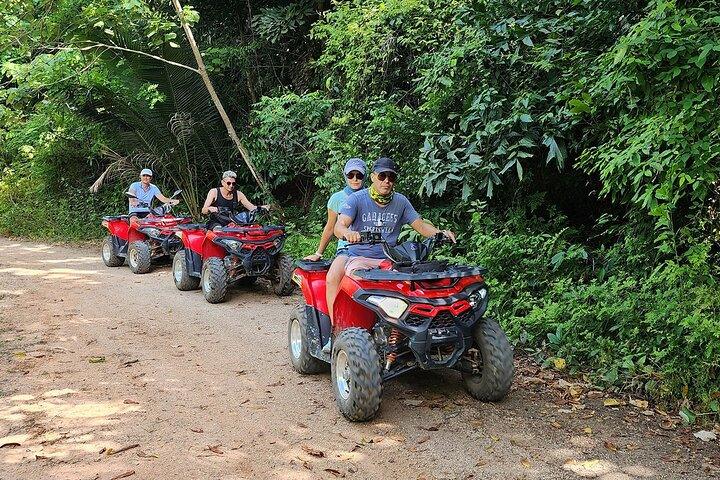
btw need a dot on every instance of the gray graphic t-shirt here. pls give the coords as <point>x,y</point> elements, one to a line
<point>367,215</point>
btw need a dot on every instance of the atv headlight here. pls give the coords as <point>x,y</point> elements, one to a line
<point>233,244</point>
<point>393,307</point>
<point>478,296</point>
<point>151,232</point>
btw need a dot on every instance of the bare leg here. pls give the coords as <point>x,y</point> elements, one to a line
<point>332,281</point>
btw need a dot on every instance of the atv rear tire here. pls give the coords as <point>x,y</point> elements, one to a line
<point>355,374</point>
<point>493,382</point>
<point>183,281</point>
<point>214,280</point>
<point>282,283</point>
<point>139,257</point>
<point>298,344</point>
<point>110,254</point>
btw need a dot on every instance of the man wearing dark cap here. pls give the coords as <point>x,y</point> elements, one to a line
<point>377,209</point>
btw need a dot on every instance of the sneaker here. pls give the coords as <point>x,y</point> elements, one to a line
<point>327,348</point>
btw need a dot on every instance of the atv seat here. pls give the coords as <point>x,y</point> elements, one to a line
<point>319,266</point>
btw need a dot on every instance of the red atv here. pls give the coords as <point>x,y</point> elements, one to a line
<point>141,240</point>
<point>239,253</point>
<point>410,313</point>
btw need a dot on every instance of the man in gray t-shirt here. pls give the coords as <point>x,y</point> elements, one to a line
<point>378,209</point>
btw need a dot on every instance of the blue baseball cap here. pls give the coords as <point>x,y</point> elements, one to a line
<point>384,164</point>
<point>354,164</point>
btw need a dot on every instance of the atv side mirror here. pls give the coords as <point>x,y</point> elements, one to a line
<point>129,195</point>
<point>177,192</point>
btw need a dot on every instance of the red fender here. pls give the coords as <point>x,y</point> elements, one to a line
<point>349,313</point>
<point>210,249</point>
<point>118,228</point>
<point>312,285</point>
<point>193,240</point>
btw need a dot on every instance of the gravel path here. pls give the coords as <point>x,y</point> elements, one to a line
<point>96,359</point>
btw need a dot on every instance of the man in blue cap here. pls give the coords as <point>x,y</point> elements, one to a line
<point>377,209</point>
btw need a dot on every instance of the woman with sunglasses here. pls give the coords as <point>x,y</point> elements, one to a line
<point>224,196</point>
<point>354,172</point>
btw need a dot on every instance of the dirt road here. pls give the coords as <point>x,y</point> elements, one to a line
<point>97,359</point>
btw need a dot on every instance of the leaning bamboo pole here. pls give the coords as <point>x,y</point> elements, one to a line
<point>216,100</point>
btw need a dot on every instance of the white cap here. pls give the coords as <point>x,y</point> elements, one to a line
<point>146,171</point>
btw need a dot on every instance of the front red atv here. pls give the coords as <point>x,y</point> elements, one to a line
<point>239,253</point>
<point>411,313</point>
<point>141,241</point>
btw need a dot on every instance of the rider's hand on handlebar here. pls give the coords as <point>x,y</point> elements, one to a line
<point>314,257</point>
<point>353,237</point>
<point>174,201</point>
<point>212,209</point>
<point>450,235</point>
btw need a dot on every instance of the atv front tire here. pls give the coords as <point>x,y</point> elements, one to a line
<point>355,374</point>
<point>493,382</point>
<point>109,253</point>
<point>181,276</point>
<point>214,280</point>
<point>139,257</point>
<point>282,283</point>
<point>298,345</point>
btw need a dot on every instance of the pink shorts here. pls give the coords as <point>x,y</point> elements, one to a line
<point>361,263</point>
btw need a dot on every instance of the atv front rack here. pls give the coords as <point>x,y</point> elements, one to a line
<point>264,229</point>
<point>452,271</point>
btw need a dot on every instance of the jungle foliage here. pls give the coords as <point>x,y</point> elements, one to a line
<point>573,145</point>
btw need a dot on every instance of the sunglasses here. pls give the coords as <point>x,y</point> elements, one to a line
<point>230,184</point>
<point>389,176</point>
<point>357,175</point>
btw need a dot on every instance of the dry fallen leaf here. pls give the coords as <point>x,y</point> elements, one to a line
<point>705,435</point>
<point>131,402</point>
<point>639,403</point>
<point>587,430</point>
<point>668,424</point>
<point>313,452</point>
<point>612,402</point>
<point>98,360</point>
<point>215,449</point>
<point>413,403</point>
<point>526,463</point>
<point>336,473</point>
<point>196,430</point>
<point>123,475</point>
<point>610,446</point>
<point>424,439</point>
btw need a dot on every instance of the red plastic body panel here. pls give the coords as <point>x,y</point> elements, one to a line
<point>194,239</point>
<point>349,313</point>
<point>210,249</point>
<point>119,228</point>
<point>312,285</point>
